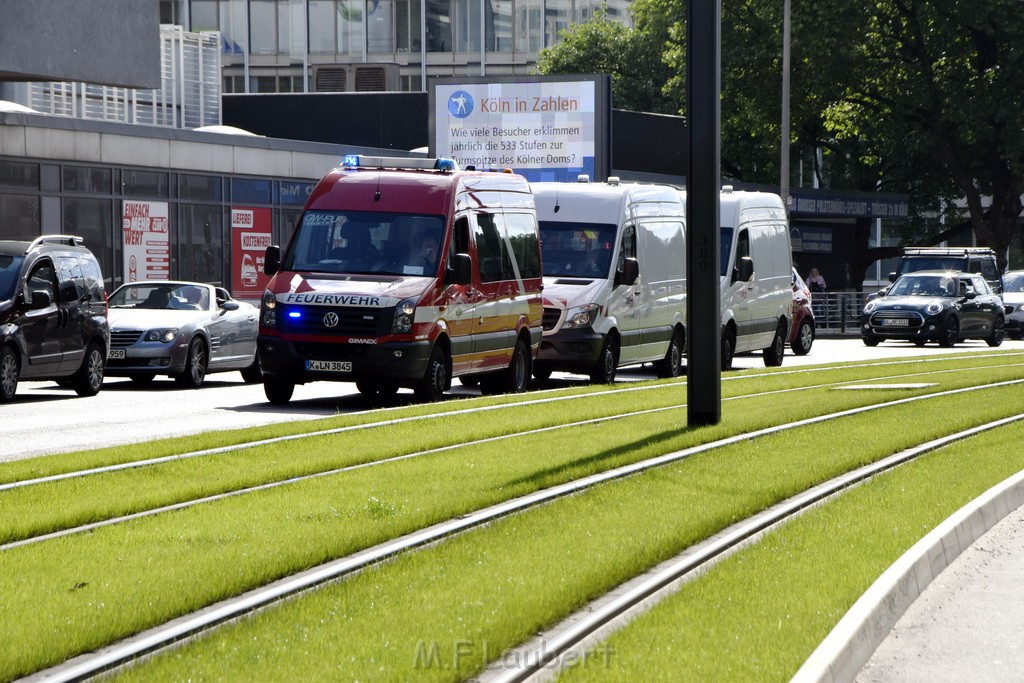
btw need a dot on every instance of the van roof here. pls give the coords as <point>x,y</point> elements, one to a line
<point>600,202</point>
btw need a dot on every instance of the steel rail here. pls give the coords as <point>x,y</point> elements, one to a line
<point>158,638</point>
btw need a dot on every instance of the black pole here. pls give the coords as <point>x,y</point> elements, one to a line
<point>703,299</point>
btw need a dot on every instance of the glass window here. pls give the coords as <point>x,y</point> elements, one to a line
<point>72,284</point>
<point>380,26</point>
<point>321,26</point>
<point>529,32</point>
<point>350,27</point>
<point>577,249</point>
<point>493,260</point>
<point>21,216</point>
<point>19,175</point>
<point>263,84</point>
<point>294,193</point>
<point>407,25</point>
<point>286,222</point>
<point>201,244</point>
<point>499,26</point>
<point>41,279</point>
<point>522,235</point>
<point>84,179</point>
<point>144,184</point>
<point>263,27</point>
<point>204,14</point>
<point>250,190</point>
<point>202,187</point>
<point>92,220</point>
<point>439,26</point>
<point>467,25</point>
<point>557,16</point>
<point>10,267</point>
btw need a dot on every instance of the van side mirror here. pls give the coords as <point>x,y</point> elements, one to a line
<point>629,273</point>
<point>39,298</point>
<point>461,272</point>
<point>744,269</point>
<point>272,259</point>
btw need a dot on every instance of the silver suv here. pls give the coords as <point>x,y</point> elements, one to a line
<point>53,315</point>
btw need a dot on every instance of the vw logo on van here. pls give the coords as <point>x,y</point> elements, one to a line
<point>331,319</point>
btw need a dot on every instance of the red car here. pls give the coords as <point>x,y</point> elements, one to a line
<point>801,333</point>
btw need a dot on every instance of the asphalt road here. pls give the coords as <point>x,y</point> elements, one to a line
<point>45,418</point>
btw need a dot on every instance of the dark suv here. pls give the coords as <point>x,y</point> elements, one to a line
<point>980,260</point>
<point>53,315</point>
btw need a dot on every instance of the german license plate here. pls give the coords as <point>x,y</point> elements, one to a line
<point>116,353</point>
<point>896,322</point>
<point>329,365</point>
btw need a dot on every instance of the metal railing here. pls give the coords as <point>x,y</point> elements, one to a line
<point>838,311</point>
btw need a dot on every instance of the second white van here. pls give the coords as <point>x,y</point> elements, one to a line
<point>614,264</point>
<point>756,271</point>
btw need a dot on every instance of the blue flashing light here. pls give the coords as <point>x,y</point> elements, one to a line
<point>350,161</point>
<point>447,165</point>
<point>294,314</point>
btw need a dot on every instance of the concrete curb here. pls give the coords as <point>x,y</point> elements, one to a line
<point>849,645</point>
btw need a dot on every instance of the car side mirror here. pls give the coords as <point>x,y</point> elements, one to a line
<point>744,269</point>
<point>39,298</point>
<point>971,295</point>
<point>272,260</point>
<point>230,305</point>
<point>461,271</point>
<point>629,273</point>
<point>883,292</point>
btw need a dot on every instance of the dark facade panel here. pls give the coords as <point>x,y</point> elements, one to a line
<point>106,42</point>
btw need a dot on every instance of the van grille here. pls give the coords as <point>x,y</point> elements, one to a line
<point>551,318</point>
<point>352,322</point>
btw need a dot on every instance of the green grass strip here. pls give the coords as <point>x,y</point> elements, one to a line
<point>438,614</point>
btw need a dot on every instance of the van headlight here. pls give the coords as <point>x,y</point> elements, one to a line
<point>580,317</point>
<point>404,312</point>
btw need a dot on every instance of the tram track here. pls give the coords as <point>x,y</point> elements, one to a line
<point>182,505</point>
<point>236,607</point>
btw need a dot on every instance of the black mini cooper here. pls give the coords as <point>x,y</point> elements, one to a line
<point>934,305</point>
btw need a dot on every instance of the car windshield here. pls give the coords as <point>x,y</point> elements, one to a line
<point>1013,282</point>
<point>10,265</point>
<point>172,296</point>
<point>925,285</point>
<point>367,242</point>
<point>576,249</point>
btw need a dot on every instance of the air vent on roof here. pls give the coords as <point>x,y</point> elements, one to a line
<point>356,77</point>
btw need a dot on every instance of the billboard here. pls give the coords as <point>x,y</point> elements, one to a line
<point>147,250</point>
<point>250,237</point>
<point>542,127</point>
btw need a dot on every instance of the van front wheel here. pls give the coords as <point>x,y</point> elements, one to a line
<point>774,353</point>
<point>672,364</point>
<point>434,382</point>
<point>604,371</point>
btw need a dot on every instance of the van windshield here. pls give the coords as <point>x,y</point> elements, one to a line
<point>10,265</point>
<point>366,242</point>
<point>724,250</point>
<point>576,249</point>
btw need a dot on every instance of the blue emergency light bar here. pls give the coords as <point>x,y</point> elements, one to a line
<point>360,161</point>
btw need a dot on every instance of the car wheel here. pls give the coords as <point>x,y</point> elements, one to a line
<point>672,364</point>
<point>773,354</point>
<point>871,341</point>
<point>89,378</point>
<point>195,366</point>
<point>434,382</point>
<point>607,362</point>
<point>514,378</point>
<point>804,338</point>
<point>277,391</point>
<point>728,348</point>
<point>996,338</point>
<point>252,374</point>
<point>10,370</point>
<point>950,333</point>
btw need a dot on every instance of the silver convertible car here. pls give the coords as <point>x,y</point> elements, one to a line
<point>182,329</point>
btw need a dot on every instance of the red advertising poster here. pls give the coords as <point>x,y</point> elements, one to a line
<point>147,250</point>
<point>250,237</point>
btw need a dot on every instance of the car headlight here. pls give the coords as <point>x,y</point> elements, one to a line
<point>268,315</point>
<point>404,312</point>
<point>933,308</point>
<point>165,335</point>
<point>580,317</point>
<point>870,306</point>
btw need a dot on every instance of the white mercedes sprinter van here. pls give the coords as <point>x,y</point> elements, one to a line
<point>614,263</point>
<point>756,272</point>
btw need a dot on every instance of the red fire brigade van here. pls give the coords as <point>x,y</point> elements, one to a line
<point>405,273</point>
